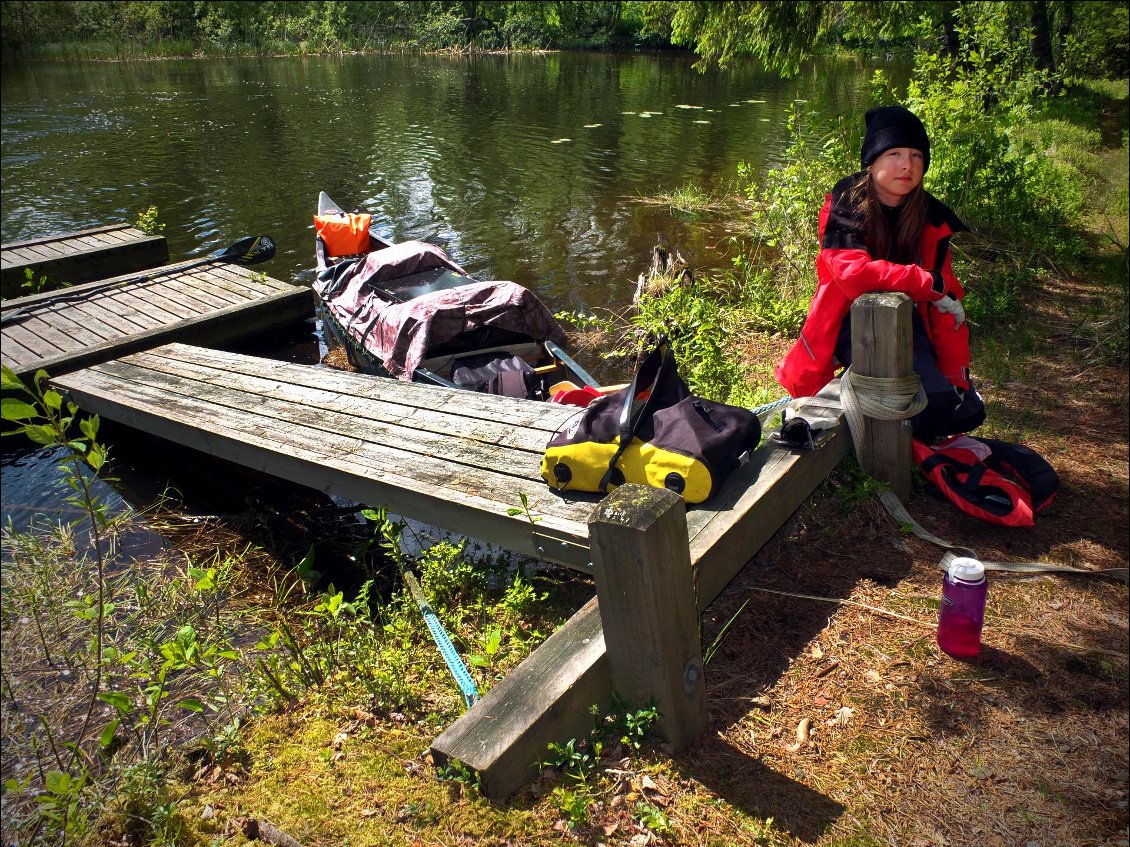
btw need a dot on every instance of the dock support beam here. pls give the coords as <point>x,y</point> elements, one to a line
<point>648,610</point>
<point>882,346</point>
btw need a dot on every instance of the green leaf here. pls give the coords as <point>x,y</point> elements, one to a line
<point>12,409</point>
<point>205,579</point>
<point>118,700</point>
<point>108,733</point>
<point>44,435</point>
<point>89,427</point>
<point>305,568</point>
<point>57,782</point>
<point>53,400</point>
<point>96,457</point>
<point>191,704</point>
<point>10,381</point>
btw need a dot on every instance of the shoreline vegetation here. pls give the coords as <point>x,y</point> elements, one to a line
<point>269,676</point>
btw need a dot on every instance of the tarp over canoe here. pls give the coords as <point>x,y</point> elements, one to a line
<point>400,334</point>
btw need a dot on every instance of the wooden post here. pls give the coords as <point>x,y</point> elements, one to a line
<point>882,346</point>
<point>648,609</point>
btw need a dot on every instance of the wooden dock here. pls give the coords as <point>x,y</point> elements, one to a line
<point>455,459</point>
<point>210,303</point>
<point>83,256</point>
<point>458,461</point>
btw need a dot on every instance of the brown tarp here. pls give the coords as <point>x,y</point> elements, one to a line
<point>401,334</point>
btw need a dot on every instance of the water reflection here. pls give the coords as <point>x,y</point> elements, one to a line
<point>458,150</point>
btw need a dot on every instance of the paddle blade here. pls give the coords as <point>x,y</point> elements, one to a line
<point>250,251</point>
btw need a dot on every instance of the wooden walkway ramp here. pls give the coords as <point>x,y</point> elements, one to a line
<point>212,303</point>
<point>82,256</point>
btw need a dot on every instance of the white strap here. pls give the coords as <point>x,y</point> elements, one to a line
<point>897,511</point>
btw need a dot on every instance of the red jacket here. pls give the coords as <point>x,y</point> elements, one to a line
<point>845,270</point>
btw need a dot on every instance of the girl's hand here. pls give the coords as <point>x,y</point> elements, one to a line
<point>952,306</point>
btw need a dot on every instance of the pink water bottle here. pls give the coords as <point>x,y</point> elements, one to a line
<point>964,590</point>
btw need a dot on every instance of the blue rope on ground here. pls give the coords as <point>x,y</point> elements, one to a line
<point>443,642</point>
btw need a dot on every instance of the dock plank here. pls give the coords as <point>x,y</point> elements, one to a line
<point>318,413</point>
<point>547,418</point>
<point>99,321</point>
<point>81,256</point>
<point>394,417</point>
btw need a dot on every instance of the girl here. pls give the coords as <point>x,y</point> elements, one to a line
<point>881,231</point>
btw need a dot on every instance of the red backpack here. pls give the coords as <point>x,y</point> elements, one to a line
<point>996,481</point>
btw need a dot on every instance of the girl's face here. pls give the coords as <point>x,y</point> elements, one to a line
<point>896,173</point>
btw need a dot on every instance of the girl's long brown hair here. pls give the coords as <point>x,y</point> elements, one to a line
<point>876,232</point>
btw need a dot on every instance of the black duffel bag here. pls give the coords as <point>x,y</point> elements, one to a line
<point>654,432</point>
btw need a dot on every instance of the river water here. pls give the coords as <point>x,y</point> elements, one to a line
<point>524,167</point>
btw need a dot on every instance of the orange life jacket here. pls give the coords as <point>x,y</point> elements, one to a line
<point>344,234</point>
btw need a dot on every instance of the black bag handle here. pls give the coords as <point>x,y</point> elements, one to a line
<point>629,423</point>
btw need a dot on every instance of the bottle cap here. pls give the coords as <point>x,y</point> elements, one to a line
<point>966,569</point>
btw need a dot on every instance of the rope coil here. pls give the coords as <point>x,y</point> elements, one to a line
<point>882,398</point>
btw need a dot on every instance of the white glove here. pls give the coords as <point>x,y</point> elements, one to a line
<point>952,306</point>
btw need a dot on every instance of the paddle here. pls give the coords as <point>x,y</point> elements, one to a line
<point>251,250</point>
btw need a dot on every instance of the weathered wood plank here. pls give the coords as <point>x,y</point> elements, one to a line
<point>245,280</point>
<point>156,295</point>
<point>722,541</point>
<point>205,283</point>
<point>187,290</point>
<point>344,453</point>
<point>140,311</point>
<point>882,346</point>
<point>546,698</point>
<point>469,454</point>
<point>24,347</point>
<point>428,432</point>
<point>35,253</point>
<point>63,236</point>
<point>87,242</point>
<point>99,322</point>
<point>42,339</point>
<point>81,256</point>
<point>547,417</point>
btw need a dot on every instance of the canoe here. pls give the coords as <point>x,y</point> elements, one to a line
<point>409,311</point>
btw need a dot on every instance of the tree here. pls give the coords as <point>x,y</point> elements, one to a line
<point>781,34</point>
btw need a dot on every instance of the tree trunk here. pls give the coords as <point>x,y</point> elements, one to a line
<point>1064,23</point>
<point>1042,36</point>
<point>950,37</point>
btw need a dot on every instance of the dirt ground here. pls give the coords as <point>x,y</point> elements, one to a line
<point>841,719</point>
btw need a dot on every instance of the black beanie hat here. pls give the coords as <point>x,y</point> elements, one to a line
<point>893,126</point>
